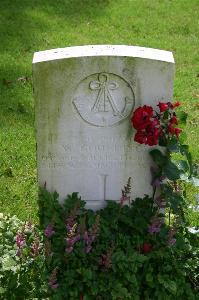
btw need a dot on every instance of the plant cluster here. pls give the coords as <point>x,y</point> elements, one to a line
<point>21,258</point>
<point>120,252</point>
<point>155,127</point>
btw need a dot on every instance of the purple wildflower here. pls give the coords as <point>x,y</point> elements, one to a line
<point>35,247</point>
<point>106,260</point>
<point>88,249</point>
<point>156,183</point>
<point>126,192</point>
<point>71,219</point>
<point>71,242</point>
<point>88,239</point>
<point>47,249</point>
<point>160,202</point>
<point>20,240</point>
<point>52,280</point>
<point>18,253</point>
<point>28,227</point>
<point>125,199</point>
<point>90,236</point>
<point>171,242</point>
<point>70,223</point>
<point>155,226</point>
<point>49,230</point>
<point>69,249</point>
<point>176,187</point>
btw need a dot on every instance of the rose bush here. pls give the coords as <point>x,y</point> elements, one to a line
<point>152,126</point>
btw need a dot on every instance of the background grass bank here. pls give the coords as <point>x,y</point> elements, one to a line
<point>29,26</point>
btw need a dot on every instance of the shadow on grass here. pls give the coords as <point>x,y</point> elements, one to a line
<point>25,28</point>
<point>23,19</point>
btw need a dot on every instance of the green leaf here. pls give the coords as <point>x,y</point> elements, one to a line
<point>171,171</point>
<point>172,286</point>
<point>8,263</point>
<point>173,145</point>
<point>182,165</point>
<point>183,137</point>
<point>194,181</point>
<point>158,157</point>
<point>182,116</point>
<point>184,149</point>
<point>2,290</point>
<point>149,277</point>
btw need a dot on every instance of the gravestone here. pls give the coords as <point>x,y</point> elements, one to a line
<point>84,99</point>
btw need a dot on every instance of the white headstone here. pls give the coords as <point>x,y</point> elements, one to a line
<point>85,97</point>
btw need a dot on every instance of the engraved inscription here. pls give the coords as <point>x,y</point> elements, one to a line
<point>87,155</point>
<point>102,186</point>
<point>104,99</point>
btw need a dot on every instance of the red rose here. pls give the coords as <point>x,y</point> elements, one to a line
<point>146,248</point>
<point>155,122</point>
<point>149,135</point>
<point>140,137</point>
<point>152,137</point>
<point>141,117</point>
<point>163,106</point>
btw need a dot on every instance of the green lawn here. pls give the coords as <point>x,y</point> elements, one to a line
<point>29,26</point>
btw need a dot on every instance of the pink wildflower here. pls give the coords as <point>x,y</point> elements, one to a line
<point>70,241</point>
<point>171,240</point>
<point>90,236</point>
<point>160,202</point>
<point>20,240</point>
<point>35,247</point>
<point>52,280</point>
<point>49,230</point>
<point>155,226</point>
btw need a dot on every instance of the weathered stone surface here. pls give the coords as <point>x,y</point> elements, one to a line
<point>84,98</point>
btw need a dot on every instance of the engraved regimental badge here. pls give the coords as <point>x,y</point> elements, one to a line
<point>104,99</point>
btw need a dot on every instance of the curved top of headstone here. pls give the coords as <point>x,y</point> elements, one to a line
<point>103,50</point>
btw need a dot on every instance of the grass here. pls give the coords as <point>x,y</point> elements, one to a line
<point>29,26</point>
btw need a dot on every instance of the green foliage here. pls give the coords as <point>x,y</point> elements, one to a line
<point>19,273</point>
<point>119,265</point>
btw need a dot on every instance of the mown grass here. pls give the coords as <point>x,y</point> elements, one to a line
<point>29,26</point>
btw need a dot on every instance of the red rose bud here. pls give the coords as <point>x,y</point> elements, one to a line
<point>178,131</point>
<point>174,105</point>
<point>177,104</point>
<point>171,129</point>
<point>163,106</point>
<point>174,120</point>
<point>146,248</point>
